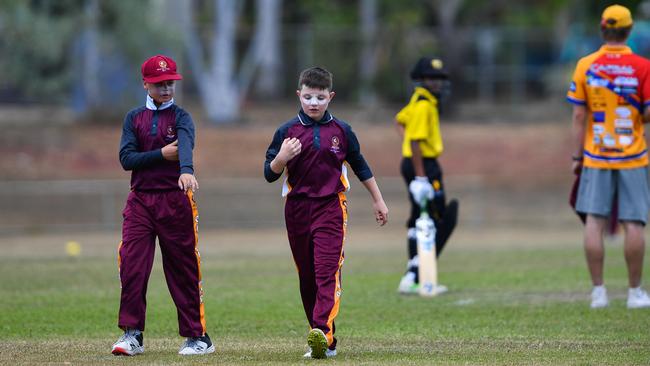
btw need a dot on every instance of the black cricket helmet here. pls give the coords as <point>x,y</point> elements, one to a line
<point>429,67</point>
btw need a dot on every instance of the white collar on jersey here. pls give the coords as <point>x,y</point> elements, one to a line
<point>152,106</point>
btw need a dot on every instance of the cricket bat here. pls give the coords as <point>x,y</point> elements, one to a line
<point>427,263</point>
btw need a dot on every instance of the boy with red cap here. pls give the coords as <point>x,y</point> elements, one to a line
<point>156,146</point>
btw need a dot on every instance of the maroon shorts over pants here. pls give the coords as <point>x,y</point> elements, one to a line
<point>316,228</point>
<point>171,216</point>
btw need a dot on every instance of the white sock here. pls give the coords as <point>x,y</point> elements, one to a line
<point>134,332</point>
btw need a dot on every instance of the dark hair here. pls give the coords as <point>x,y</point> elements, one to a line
<point>615,34</point>
<point>315,77</point>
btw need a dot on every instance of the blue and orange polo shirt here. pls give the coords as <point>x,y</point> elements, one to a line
<point>613,83</point>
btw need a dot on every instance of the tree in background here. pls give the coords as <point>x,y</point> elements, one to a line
<point>222,88</point>
<point>235,51</point>
<point>74,51</point>
<point>36,37</point>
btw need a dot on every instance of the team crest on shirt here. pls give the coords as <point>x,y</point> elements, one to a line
<point>170,134</point>
<point>335,144</point>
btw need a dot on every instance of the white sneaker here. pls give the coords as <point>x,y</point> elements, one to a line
<point>599,297</point>
<point>407,285</point>
<point>329,353</point>
<point>197,346</point>
<point>130,343</point>
<point>637,298</point>
<point>317,343</point>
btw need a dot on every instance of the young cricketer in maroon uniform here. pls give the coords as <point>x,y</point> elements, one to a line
<point>313,147</point>
<point>156,146</point>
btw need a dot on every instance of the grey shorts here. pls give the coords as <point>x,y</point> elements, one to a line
<point>598,186</point>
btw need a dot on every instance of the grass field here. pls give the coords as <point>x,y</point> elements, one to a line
<point>516,297</point>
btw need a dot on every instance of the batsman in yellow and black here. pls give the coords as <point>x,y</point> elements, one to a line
<point>419,125</point>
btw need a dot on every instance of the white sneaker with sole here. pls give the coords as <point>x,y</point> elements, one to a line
<point>130,343</point>
<point>329,353</point>
<point>317,343</point>
<point>197,346</point>
<point>407,285</point>
<point>599,297</point>
<point>637,298</point>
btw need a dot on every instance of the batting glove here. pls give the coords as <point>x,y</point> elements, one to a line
<point>420,189</point>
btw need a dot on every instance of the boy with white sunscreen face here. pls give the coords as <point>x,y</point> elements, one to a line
<point>312,148</point>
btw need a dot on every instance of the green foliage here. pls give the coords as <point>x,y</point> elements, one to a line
<point>35,44</point>
<point>138,28</point>
<point>38,38</point>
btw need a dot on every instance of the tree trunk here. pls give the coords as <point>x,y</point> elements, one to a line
<point>215,81</point>
<point>90,55</point>
<point>368,55</point>
<point>447,11</point>
<point>223,105</point>
<point>267,48</point>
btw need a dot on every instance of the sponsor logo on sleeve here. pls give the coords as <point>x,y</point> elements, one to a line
<point>572,88</point>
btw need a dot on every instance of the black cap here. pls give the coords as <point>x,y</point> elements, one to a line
<point>429,67</point>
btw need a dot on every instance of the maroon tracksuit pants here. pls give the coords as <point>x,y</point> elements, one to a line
<point>172,216</point>
<point>316,229</point>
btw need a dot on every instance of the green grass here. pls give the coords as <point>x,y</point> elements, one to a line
<point>508,306</point>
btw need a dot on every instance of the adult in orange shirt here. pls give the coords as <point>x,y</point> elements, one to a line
<point>610,91</point>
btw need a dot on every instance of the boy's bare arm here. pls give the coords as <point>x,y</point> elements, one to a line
<point>579,117</point>
<point>378,204</point>
<point>418,162</point>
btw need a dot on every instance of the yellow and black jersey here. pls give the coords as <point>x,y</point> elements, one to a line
<point>421,123</point>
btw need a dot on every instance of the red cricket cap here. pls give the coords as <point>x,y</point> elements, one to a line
<point>159,68</point>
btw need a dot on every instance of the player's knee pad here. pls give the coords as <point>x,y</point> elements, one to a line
<point>446,225</point>
<point>451,214</point>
